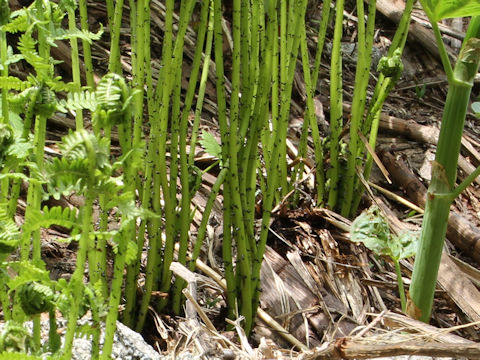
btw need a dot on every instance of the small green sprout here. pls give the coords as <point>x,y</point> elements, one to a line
<point>371,229</point>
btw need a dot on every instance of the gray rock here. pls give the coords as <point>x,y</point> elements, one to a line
<point>127,345</point>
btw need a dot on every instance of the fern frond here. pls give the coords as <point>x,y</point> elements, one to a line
<point>13,83</point>
<point>63,34</point>
<point>18,22</point>
<point>11,57</point>
<point>19,356</point>
<point>78,101</point>
<point>66,176</point>
<point>26,46</point>
<point>74,146</point>
<point>28,271</point>
<point>35,298</point>
<point>85,330</point>
<point>15,338</point>
<point>20,149</point>
<point>18,102</point>
<point>58,85</point>
<point>56,215</point>
<point>9,232</point>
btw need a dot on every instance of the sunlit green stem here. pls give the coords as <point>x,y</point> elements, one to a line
<point>87,51</point>
<point>444,172</point>
<point>75,64</point>
<point>77,277</point>
<point>401,288</point>
<point>114,61</point>
<point>184,169</point>
<point>227,248</point>
<point>336,105</point>
<point>362,75</point>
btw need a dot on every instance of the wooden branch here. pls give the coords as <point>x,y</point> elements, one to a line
<point>460,231</point>
<point>394,10</point>
<point>347,349</point>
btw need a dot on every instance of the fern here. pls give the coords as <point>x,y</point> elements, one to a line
<point>57,215</point>
<point>18,103</point>
<point>13,83</point>
<point>76,145</point>
<point>63,34</point>
<point>15,338</point>
<point>114,98</point>
<point>66,176</point>
<point>21,356</point>
<point>28,272</point>
<point>35,298</point>
<point>58,85</point>
<point>18,22</point>
<point>26,46</point>
<point>131,254</point>
<point>9,232</point>
<point>78,101</point>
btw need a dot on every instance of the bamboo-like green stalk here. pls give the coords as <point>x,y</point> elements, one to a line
<point>169,197</point>
<point>231,141</point>
<point>227,250</point>
<point>202,229</point>
<point>151,195</point>
<point>302,147</point>
<point>202,87</point>
<point>184,169</point>
<point>75,62</point>
<point>310,120</point>
<point>34,194</point>
<point>114,65</point>
<point>83,245</point>
<point>336,105</point>
<point>5,14</point>
<point>87,51</point>
<point>4,18</point>
<point>383,86</point>
<point>277,155</point>
<point>444,173</point>
<point>142,19</point>
<point>362,74</point>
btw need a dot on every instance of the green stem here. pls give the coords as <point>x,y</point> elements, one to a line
<point>336,105</point>
<point>87,51</point>
<point>77,277</point>
<point>362,74</point>
<point>114,61</point>
<point>184,169</point>
<point>444,172</point>
<point>401,289</point>
<point>202,229</point>
<point>227,250</point>
<point>75,64</point>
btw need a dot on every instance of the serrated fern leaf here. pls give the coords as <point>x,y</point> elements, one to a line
<point>76,144</point>
<point>13,83</point>
<point>27,272</point>
<point>19,356</point>
<point>20,149</point>
<point>64,34</point>
<point>56,215</point>
<point>18,22</point>
<point>26,45</point>
<point>9,232</point>
<point>78,101</point>
<point>131,252</point>
<point>57,85</point>
<point>66,177</point>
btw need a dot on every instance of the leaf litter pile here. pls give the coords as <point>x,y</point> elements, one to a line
<point>330,289</point>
